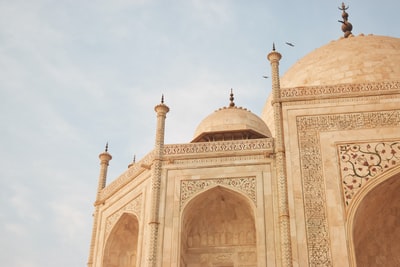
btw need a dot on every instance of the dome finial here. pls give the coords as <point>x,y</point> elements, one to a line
<point>162,99</point>
<point>346,25</point>
<point>106,149</point>
<point>273,46</point>
<point>231,104</point>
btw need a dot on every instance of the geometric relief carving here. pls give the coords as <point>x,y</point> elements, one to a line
<point>246,185</point>
<point>219,146</point>
<point>339,90</point>
<point>314,195</point>
<point>134,206</point>
<point>359,163</point>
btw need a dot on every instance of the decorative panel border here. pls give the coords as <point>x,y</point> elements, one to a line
<point>314,195</point>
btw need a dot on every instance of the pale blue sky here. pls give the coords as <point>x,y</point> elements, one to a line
<point>76,74</point>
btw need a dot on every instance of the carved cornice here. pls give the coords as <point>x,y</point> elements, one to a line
<point>362,162</point>
<point>127,176</point>
<point>339,91</point>
<point>220,146</point>
<point>313,183</point>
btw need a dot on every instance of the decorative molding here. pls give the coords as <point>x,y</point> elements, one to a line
<point>127,176</point>
<point>246,185</point>
<point>219,160</point>
<point>134,206</point>
<point>219,146</point>
<point>361,162</point>
<point>314,195</point>
<point>341,90</point>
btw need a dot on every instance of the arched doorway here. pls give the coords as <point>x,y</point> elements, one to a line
<point>218,229</point>
<point>376,225</point>
<point>121,246</point>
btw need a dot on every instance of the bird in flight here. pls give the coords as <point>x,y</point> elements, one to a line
<point>290,44</point>
<point>265,77</point>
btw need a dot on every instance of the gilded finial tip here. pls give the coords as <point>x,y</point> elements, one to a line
<point>231,104</point>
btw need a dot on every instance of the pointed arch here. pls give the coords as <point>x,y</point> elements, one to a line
<point>218,229</point>
<point>121,245</point>
<point>373,225</point>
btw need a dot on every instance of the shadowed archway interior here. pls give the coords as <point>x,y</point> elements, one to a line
<point>218,230</point>
<point>121,246</point>
<point>376,227</point>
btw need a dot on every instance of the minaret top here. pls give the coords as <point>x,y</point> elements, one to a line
<point>105,157</point>
<point>162,108</point>
<point>346,25</point>
<point>274,56</point>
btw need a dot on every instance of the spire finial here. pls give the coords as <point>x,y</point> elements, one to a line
<point>134,158</point>
<point>346,25</point>
<point>273,46</point>
<point>162,99</point>
<point>106,149</point>
<point>231,104</point>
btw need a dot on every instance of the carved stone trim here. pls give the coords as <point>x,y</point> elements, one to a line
<point>219,146</point>
<point>134,206</point>
<point>314,195</point>
<point>218,160</point>
<point>246,185</point>
<point>341,90</point>
<point>361,162</point>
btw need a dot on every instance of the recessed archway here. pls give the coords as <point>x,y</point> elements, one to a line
<point>376,225</point>
<point>121,246</point>
<point>218,229</point>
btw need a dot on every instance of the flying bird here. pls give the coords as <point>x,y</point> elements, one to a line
<point>265,77</point>
<point>290,44</point>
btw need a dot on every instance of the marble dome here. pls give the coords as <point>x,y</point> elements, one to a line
<point>357,59</point>
<point>231,123</point>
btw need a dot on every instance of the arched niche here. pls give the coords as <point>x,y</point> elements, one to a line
<point>374,223</point>
<point>121,246</point>
<point>218,229</point>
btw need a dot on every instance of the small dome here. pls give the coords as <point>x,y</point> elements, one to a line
<point>357,59</point>
<point>231,123</point>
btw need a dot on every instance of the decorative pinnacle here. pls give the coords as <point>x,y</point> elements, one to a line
<point>231,104</point>
<point>273,46</point>
<point>134,158</point>
<point>346,25</point>
<point>106,149</point>
<point>162,99</point>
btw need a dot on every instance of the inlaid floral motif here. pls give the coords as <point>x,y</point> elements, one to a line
<point>359,163</point>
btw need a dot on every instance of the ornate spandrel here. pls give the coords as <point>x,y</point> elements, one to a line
<point>362,162</point>
<point>246,185</point>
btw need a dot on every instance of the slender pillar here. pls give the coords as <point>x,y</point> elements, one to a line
<point>161,110</point>
<point>105,158</point>
<point>283,206</point>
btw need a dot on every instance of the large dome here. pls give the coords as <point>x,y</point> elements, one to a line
<point>357,59</point>
<point>231,123</point>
